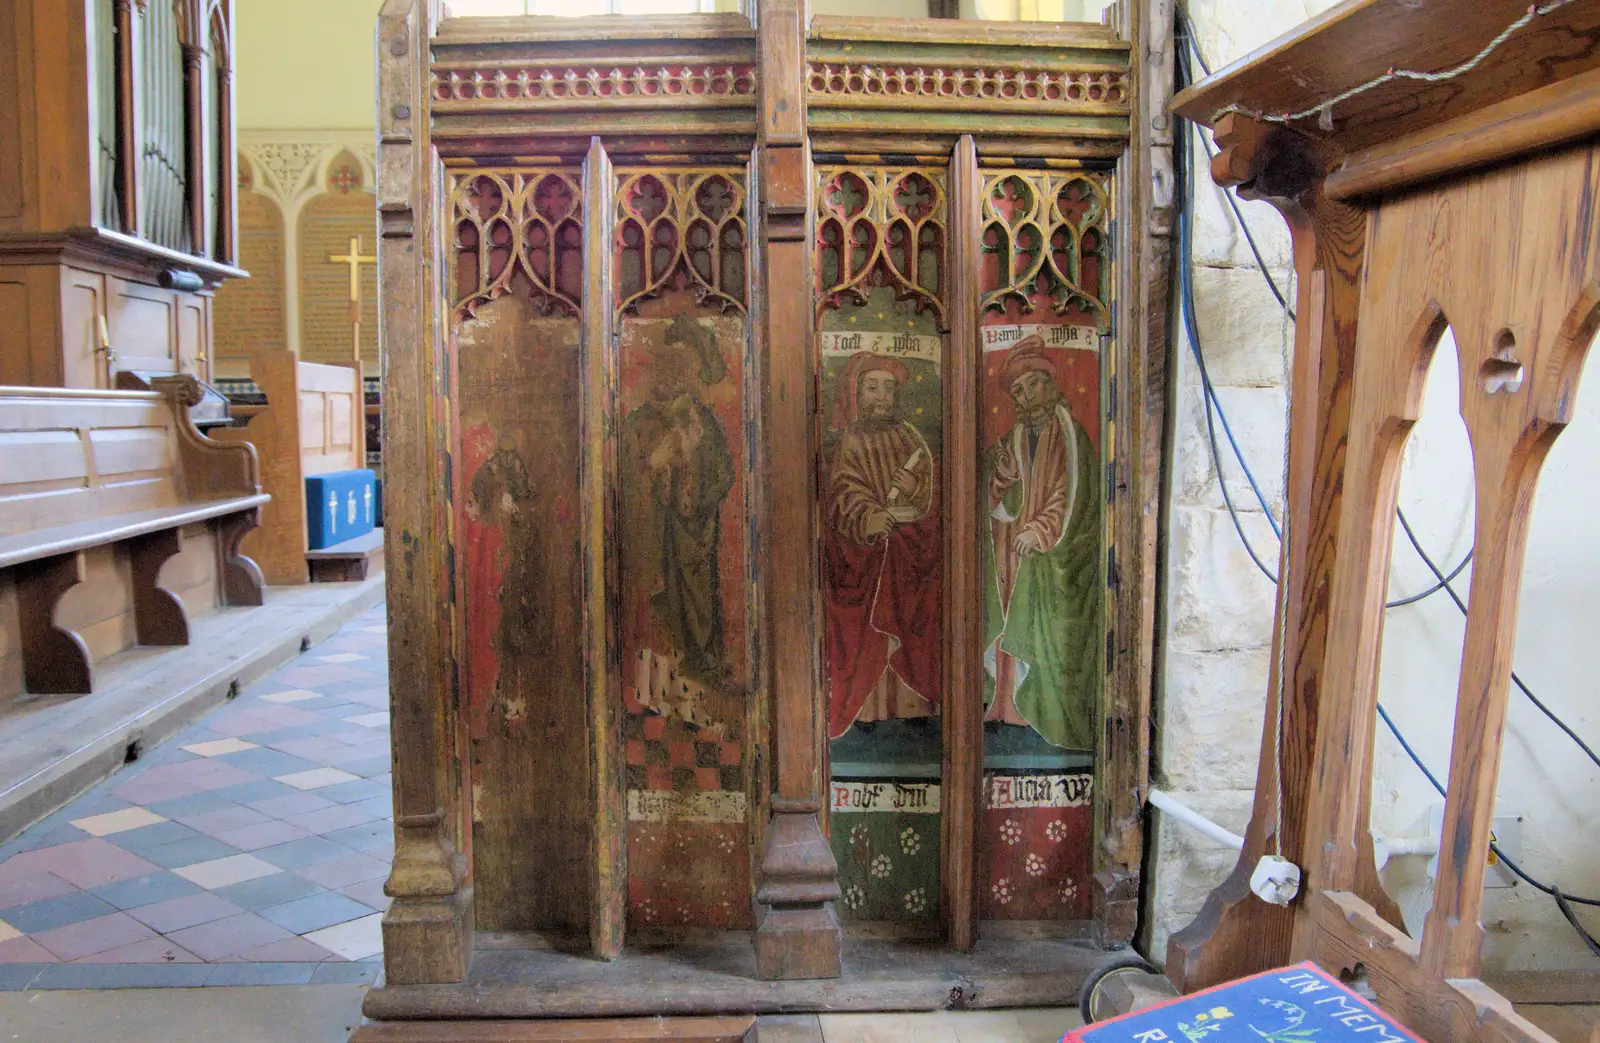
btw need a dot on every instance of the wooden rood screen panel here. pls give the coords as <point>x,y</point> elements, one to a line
<point>749,482</point>
<point>1465,205</point>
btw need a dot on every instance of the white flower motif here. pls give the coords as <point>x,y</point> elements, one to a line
<point>1001,890</point>
<point>726,843</point>
<point>1035,865</point>
<point>648,913</point>
<point>881,866</point>
<point>1056,831</point>
<point>1011,832</point>
<point>910,842</point>
<point>854,897</point>
<point>858,834</point>
<point>1067,893</point>
<point>916,900</point>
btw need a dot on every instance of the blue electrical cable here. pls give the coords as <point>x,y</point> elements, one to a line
<point>1185,186</point>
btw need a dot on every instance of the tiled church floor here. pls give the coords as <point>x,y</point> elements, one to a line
<point>250,849</point>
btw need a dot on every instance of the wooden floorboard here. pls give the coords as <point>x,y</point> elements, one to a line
<point>54,747</point>
<point>720,978</point>
<point>588,1030</point>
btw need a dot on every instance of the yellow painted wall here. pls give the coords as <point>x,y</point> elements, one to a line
<point>308,64</point>
<point>305,64</point>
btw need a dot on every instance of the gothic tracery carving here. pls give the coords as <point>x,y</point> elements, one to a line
<point>288,164</point>
<point>881,226</point>
<point>684,228</point>
<point>1045,232</point>
<point>518,232</point>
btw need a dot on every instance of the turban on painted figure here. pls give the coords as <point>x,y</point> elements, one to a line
<point>1044,560</point>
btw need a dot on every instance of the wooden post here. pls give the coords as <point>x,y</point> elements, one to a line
<point>797,934</point>
<point>962,774</point>
<point>195,108</point>
<point>129,94</point>
<point>427,932</point>
<point>1235,933</point>
<point>1136,398</point>
<point>608,860</point>
<point>227,245</point>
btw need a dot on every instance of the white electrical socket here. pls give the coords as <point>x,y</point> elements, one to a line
<point>1275,880</point>
<point>1506,833</point>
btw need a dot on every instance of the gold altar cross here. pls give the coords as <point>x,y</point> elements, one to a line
<point>355,259</point>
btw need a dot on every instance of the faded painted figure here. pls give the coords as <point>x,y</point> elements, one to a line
<point>1044,617</point>
<point>882,554</point>
<point>677,471</point>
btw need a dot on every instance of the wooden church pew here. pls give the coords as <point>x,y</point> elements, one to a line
<point>105,488</point>
<point>313,423</point>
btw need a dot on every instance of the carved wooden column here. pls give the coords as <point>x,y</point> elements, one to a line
<point>194,54</point>
<point>798,933</point>
<point>427,931</point>
<point>1136,392</point>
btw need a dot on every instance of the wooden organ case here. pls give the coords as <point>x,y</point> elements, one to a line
<point>117,216</point>
<point>764,616</point>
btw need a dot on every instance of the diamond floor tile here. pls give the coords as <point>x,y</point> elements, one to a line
<point>258,837</point>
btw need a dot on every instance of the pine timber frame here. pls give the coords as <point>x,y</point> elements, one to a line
<point>1465,204</point>
<point>434,115</point>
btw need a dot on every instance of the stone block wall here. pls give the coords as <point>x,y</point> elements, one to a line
<point>1216,641</point>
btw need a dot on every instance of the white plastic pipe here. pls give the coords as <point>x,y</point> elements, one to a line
<point>1385,848</point>
<point>1180,811</point>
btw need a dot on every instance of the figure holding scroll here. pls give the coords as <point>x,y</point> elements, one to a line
<point>882,554</point>
<point>1044,508</point>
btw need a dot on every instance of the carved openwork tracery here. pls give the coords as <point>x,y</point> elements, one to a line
<point>882,226</point>
<point>682,229</point>
<point>1046,233</point>
<point>518,232</point>
<point>862,83</point>
<point>518,85</point>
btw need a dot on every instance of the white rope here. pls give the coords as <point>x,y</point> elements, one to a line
<point>1324,110</point>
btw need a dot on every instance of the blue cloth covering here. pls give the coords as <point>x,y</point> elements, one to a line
<point>340,505</point>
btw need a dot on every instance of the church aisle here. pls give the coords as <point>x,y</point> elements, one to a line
<point>250,849</point>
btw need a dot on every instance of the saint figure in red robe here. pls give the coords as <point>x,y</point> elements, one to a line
<point>882,554</point>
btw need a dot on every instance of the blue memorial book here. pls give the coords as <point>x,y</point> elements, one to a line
<point>1299,1004</point>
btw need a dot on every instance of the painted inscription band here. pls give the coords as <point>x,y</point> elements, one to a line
<point>914,799</point>
<point>670,806</point>
<point>1002,338</point>
<point>1039,791</point>
<point>895,345</point>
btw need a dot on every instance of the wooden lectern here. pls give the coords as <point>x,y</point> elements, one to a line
<point>1437,163</point>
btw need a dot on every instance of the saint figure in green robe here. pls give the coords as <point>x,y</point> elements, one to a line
<point>678,471</point>
<point>1044,592</point>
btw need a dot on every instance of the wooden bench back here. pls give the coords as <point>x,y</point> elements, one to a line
<point>314,423</point>
<point>71,456</point>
